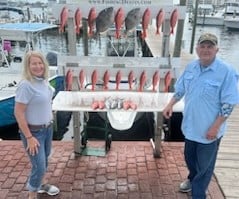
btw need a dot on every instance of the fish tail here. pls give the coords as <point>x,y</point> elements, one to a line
<point>171,32</point>
<point>157,32</point>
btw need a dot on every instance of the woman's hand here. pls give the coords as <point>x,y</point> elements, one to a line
<point>32,145</point>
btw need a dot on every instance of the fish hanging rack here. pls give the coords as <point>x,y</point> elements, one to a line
<point>113,65</point>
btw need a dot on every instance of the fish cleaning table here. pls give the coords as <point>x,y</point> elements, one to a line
<point>81,101</point>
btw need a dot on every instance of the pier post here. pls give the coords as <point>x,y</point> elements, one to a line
<point>179,35</point>
<point>166,38</point>
<point>71,36</point>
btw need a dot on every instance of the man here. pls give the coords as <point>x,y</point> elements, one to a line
<point>210,90</point>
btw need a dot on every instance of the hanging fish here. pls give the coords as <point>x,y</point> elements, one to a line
<point>132,19</point>
<point>94,78</point>
<point>104,20</point>
<point>142,81</point>
<point>119,20</point>
<point>173,20</point>
<point>63,19</point>
<point>69,80</point>
<point>159,20</point>
<point>118,79</point>
<point>167,81</point>
<point>78,18</point>
<point>106,79</point>
<point>145,22</point>
<point>81,79</point>
<point>155,80</point>
<point>91,20</point>
<point>130,79</point>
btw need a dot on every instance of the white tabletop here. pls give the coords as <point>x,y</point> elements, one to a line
<point>82,100</point>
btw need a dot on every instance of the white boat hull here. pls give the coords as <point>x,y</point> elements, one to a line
<point>232,23</point>
<point>210,20</point>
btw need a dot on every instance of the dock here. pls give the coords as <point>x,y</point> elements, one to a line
<point>227,165</point>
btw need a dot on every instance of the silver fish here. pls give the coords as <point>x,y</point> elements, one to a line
<point>104,20</point>
<point>132,19</point>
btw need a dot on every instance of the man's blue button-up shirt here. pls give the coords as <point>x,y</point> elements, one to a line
<point>205,90</point>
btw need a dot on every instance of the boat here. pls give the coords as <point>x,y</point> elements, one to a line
<point>208,15</point>
<point>10,68</point>
<point>232,23</point>
<point>231,20</point>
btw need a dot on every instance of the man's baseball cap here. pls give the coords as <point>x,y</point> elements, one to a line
<point>208,37</point>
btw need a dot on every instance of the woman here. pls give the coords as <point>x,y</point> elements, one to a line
<point>34,117</point>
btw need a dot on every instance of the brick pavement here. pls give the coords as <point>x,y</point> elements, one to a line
<point>129,170</point>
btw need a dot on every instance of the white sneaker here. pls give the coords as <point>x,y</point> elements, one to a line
<point>185,186</point>
<point>49,189</point>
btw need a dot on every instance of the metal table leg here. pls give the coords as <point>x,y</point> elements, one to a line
<point>76,132</point>
<point>158,134</point>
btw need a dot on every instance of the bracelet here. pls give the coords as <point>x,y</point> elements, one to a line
<point>29,137</point>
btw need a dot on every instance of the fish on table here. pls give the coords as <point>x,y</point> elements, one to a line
<point>132,19</point>
<point>104,20</point>
<point>63,19</point>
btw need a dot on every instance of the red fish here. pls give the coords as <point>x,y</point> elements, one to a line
<point>145,22</point>
<point>94,78</point>
<point>95,104</point>
<point>106,79</point>
<point>81,78</point>
<point>167,81</point>
<point>101,104</point>
<point>118,79</point>
<point>155,80</point>
<point>91,20</point>
<point>69,80</point>
<point>119,20</point>
<point>133,105</point>
<point>130,79</point>
<point>78,18</point>
<point>159,20</point>
<point>173,20</point>
<point>126,104</point>
<point>63,19</point>
<point>142,81</point>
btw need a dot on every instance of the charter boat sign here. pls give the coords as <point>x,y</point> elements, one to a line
<point>123,2</point>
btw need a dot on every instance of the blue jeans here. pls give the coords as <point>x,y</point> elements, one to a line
<point>200,159</point>
<point>39,161</point>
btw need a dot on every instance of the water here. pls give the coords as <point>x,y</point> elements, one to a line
<point>228,42</point>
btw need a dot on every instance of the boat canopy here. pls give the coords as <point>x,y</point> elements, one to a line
<point>22,31</point>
